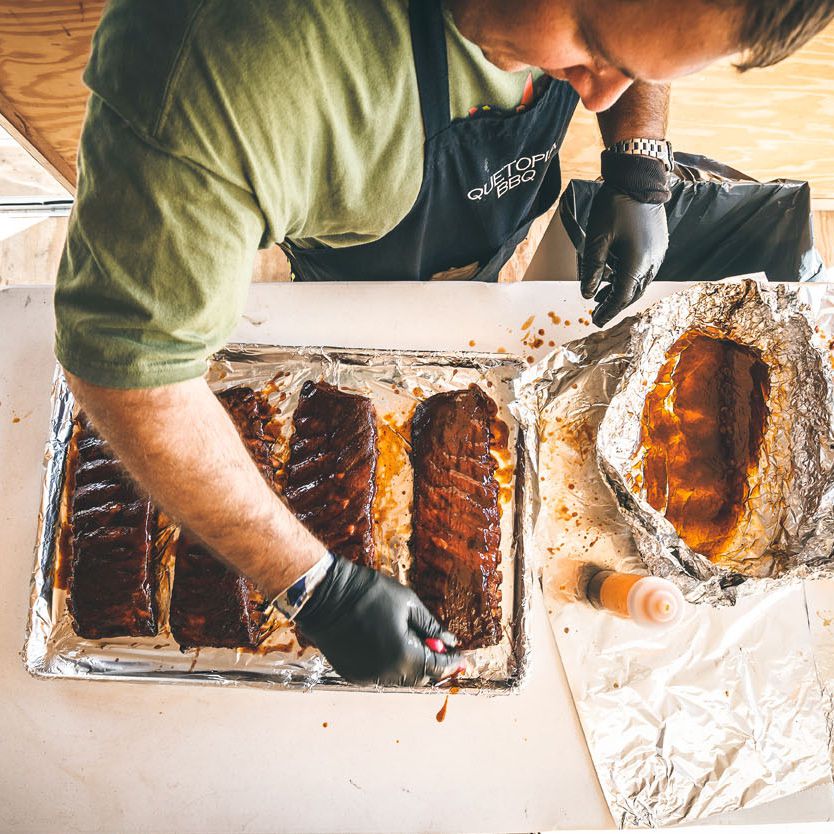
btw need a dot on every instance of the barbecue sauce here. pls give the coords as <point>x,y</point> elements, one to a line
<point>701,431</point>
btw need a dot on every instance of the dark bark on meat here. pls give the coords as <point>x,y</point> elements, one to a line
<point>330,477</point>
<point>455,543</point>
<point>212,605</point>
<point>112,577</point>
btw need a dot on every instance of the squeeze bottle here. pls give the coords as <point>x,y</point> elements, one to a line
<point>648,600</point>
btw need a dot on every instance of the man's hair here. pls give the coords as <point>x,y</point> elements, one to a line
<point>773,29</point>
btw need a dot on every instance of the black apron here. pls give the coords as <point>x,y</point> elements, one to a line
<point>485,180</point>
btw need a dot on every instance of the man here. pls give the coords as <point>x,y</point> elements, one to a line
<point>373,139</point>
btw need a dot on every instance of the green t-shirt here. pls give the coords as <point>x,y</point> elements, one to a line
<point>217,127</point>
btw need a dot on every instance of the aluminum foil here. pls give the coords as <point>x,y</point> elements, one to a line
<point>395,382</point>
<point>734,706</point>
<point>787,523</point>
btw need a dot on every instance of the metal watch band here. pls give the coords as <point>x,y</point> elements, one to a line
<point>291,601</point>
<point>655,148</point>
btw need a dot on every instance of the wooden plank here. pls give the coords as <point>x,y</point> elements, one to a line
<point>44,45</point>
<point>516,267</point>
<point>271,265</point>
<point>824,236</point>
<point>31,249</point>
<point>32,255</point>
<point>769,123</point>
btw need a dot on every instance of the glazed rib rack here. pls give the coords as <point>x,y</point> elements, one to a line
<point>112,579</point>
<point>456,518</point>
<point>330,477</point>
<point>212,605</point>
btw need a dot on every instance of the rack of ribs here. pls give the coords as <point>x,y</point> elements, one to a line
<point>701,432</point>
<point>330,478</point>
<point>112,579</point>
<point>455,518</point>
<point>212,605</point>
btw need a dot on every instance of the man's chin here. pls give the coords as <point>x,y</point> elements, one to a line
<point>503,61</point>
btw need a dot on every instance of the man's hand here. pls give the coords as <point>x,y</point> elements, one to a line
<point>373,630</point>
<point>625,244</point>
<point>627,237</point>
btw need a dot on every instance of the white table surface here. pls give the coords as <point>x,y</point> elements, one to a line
<point>119,756</point>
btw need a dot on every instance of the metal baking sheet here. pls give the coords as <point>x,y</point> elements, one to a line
<point>396,382</point>
<point>732,707</point>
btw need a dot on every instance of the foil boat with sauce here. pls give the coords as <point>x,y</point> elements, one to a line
<point>718,442</point>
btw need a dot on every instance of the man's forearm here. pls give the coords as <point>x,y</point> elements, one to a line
<point>642,111</point>
<point>180,445</point>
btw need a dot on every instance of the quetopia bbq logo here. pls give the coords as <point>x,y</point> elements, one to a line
<point>513,174</point>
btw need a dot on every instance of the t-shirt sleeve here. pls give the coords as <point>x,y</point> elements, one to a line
<point>157,262</point>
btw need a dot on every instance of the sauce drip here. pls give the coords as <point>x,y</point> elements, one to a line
<point>441,715</point>
<point>701,431</point>
<point>393,444</point>
<point>499,438</point>
<point>63,548</point>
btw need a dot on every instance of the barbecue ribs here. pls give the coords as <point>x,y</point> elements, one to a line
<point>330,477</point>
<point>212,605</point>
<point>112,577</point>
<point>455,518</point>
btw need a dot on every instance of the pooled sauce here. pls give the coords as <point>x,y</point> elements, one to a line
<point>63,543</point>
<point>701,430</point>
<point>500,451</point>
<point>393,444</point>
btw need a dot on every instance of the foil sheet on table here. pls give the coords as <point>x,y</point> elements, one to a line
<point>396,382</point>
<point>731,708</point>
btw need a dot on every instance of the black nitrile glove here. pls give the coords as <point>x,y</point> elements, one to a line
<point>372,629</point>
<point>627,237</point>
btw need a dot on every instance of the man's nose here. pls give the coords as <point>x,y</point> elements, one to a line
<point>597,90</point>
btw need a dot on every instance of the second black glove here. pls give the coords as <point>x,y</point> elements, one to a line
<point>627,236</point>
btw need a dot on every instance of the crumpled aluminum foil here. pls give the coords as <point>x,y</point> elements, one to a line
<point>731,708</point>
<point>787,523</point>
<point>395,381</point>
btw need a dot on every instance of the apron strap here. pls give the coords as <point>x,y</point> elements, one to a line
<point>428,41</point>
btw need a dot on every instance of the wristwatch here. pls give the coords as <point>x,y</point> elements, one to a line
<point>292,600</point>
<point>655,148</point>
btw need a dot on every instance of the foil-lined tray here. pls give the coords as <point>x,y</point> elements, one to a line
<point>732,707</point>
<point>395,382</point>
